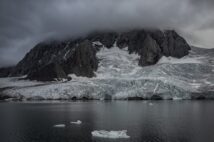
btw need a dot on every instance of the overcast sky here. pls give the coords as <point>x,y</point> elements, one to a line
<point>23,23</point>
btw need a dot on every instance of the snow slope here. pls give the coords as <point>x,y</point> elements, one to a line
<point>119,77</point>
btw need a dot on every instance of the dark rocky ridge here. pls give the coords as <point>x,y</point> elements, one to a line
<point>82,61</point>
<point>5,71</point>
<point>50,72</point>
<point>78,56</point>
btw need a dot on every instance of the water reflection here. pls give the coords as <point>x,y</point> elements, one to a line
<point>164,121</point>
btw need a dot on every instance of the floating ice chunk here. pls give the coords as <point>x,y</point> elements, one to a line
<point>110,134</point>
<point>78,122</point>
<point>59,125</point>
<point>176,98</point>
<point>151,104</point>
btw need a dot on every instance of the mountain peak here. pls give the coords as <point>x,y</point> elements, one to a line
<point>78,56</point>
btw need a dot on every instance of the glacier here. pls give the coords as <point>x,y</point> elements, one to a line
<point>110,134</point>
<point>120,77</point>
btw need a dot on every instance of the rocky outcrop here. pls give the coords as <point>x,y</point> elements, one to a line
<point>50,72</point>
<point>174,45</point>
<point>150,53</point>
<point>42,54</point>
<point>134,40</point>
<point>106,38</point>
<point>4,72</point>
<point>83,61</point>
<point>78,56</point>
<point>50,61</point>
<point>152,44</point>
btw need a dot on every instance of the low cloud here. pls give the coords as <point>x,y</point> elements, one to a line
<point>27,22</point>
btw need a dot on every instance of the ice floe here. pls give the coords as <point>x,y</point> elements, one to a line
<point>59,126</point>
<point>110,134</point>
<point>151,104</point>
<point>176,98</point>
<point>78,122</point>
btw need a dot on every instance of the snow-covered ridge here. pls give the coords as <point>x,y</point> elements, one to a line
<point>120,77</point>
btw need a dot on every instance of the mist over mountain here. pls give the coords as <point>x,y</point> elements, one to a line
<point>54,59</point>
<point>25,23</point>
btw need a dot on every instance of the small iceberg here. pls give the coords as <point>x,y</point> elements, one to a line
<point>151,104</point>
<point>59,126</point>
<point>176,99</point>
<point>110,134</point>
<point>78,122</point>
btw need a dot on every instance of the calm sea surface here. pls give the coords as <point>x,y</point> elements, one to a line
<point>145,121</point>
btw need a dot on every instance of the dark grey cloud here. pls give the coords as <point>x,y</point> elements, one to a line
<point>23,23</point>
<point>202,3</point>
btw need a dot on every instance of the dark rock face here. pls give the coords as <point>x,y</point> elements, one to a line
<point>42,54</point>
<point>49,72</point>
<point>151,52</point>
<point>135,98</point>
<point>133,39</point>
<point>152,44</point>
<point>83,61</point>
<point>5,72</point>
<point>156,97</point>
<point>78,56</point>
<point>198,96</point>
<point>174,45</point>
<point>4,97</point>
<point>106,38</point>
<point>52,60</point>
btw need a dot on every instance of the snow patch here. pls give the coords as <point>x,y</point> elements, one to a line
<point>65,56</point>
<point>156,87</point>
<point>110,134</point>
<point>184,60</point>
<point>78,122</point>
<point>97,43</point>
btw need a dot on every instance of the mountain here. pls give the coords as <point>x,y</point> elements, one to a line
<point>52,60</point>
<point>139,64</point>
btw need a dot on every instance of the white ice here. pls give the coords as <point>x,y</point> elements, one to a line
<point>184,60</point>
<point>176,98</point>
<point>151,104</point>
<point>110,134</point>
<point>78,122</point>
<point>59,125</point>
